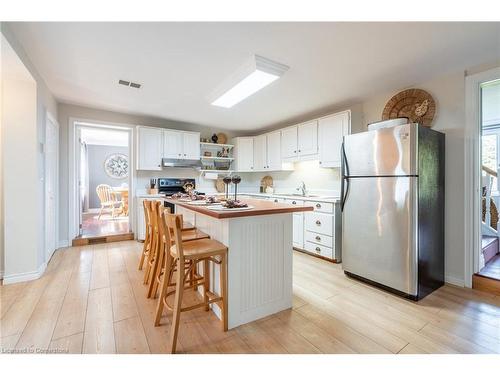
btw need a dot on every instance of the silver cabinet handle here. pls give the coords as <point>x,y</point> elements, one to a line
<point>318,249</point>
<point>184,154</point>
<point>275,201</point>
<point>293,202</point>
<point>318,222</point>
<point>294,151</point>
<point>318,205</point>
<point>318,238</point>
<point>299,150</point>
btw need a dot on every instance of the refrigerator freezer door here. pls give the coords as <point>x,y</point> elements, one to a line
<point>379,236</point>
<point>383,152</point>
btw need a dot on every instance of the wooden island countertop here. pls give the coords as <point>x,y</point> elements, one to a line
<point>260,207</point>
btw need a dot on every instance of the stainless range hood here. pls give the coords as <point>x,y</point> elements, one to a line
<point>183,163</point>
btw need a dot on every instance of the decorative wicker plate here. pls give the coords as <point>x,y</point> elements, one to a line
<point>221,138</point>
<point>418,105</point>
<point>220,186</point>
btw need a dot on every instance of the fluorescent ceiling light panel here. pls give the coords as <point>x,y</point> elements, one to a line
<point>258,74</point>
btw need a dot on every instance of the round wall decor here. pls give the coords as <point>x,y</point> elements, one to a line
<point>418,105</point>
<point>116,166</point>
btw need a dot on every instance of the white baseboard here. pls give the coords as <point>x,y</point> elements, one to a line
<point>454,281</point>
<point>63,243</point>
<point>25,276</point>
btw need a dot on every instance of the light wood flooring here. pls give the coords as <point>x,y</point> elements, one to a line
<point>91,300</point>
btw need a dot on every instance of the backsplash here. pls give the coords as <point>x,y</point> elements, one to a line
<point>322,181</point>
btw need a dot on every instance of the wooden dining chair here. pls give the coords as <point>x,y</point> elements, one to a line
<point>108,199</point>
<point>158,259</point>
<point>201,251</point>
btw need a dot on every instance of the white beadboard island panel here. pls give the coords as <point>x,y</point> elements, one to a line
<point>259,263</point>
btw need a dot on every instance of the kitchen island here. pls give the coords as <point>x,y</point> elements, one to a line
<point>259,242</point>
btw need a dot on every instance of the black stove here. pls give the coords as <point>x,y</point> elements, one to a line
<point>170,186</point>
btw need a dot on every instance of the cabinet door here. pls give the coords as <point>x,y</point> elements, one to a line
<point>331,132</point>
<point>307,138</point>
<point>289,143</point>
<point>298,230</point>
<point>274,151</point>
<point>244,154</point>
<point>260,153</point>
<point>149,148</point>
<point>172,144</point>
<point>191,146</point>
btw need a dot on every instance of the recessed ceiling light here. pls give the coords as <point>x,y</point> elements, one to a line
<point>256,75</point>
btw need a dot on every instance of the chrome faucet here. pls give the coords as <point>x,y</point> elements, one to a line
<point>302,188</point>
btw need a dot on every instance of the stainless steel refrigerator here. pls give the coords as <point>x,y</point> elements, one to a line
<point>392,203</point>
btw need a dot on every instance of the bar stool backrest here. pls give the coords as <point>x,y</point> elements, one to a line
<point>174,224</point>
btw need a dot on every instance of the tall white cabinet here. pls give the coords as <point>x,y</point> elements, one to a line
<point>243,153</point>
<point>331,130</point>
<point>149,148</point>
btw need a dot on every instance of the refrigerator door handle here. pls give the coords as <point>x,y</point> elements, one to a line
<point>344,167</point>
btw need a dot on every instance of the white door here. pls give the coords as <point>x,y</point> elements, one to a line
<point>307,138</point>
<point>51,181</point>
<point>274,151</point>
<point>331,130</point>
<point>298,230</point>
<point>259,153</point>
<point>150,149</point>
<point>244,154</point>
<point>191,146</point>
<point>173,144</point>
<point>289,143</point>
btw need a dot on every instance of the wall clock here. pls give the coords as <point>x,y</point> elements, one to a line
<point>116,166</point>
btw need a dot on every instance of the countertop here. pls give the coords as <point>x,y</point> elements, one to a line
<point>260,207</point>
<point>327,199</point>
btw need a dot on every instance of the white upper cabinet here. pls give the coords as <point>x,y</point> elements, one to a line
<point>331,132</point>
<point>243,153</point>
<point>191,145</point>
<point>181,145</point>
<point>274,151</point>
<point>307,138</point>
<point>289,143</point>
<point>260,153</point>
<point>172,144</point>
<point>149,148</point>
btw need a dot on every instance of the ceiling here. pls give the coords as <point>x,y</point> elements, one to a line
<point>180,65</point>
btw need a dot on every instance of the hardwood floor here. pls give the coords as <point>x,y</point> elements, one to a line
<point>91,300</point>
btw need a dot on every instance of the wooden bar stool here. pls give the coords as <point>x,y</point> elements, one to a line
<point>151,241</point>
<point>201,251</point>
<point>158,267</point>
<point>148,235</point>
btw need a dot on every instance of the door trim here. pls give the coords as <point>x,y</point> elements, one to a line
<point>52,119</point>
<point>472,172</point>
<point>73,191</point>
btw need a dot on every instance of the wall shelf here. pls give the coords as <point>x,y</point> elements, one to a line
<point>208,144</point>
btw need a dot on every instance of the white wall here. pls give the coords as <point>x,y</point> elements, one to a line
<point>44,102</point>
<point>20,185</point>
<point>66,112</point>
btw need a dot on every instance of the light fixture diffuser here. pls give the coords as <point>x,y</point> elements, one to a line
<point>256,75</point>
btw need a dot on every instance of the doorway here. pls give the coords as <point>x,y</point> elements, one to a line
<point>51,185</point>
<point>489,255</point>
<point>103,180</point>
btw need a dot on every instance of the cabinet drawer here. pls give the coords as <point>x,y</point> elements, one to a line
<point>322,206</point>
<point>319,223</point>
<point>321,239</point>
<point>319,250</point>
<point>295,202</point>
